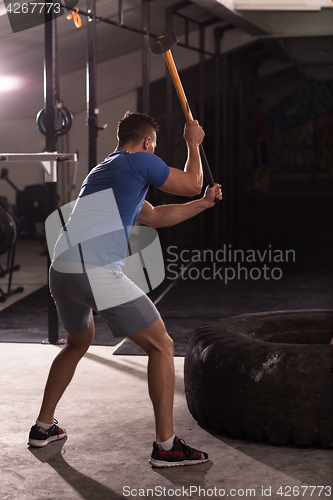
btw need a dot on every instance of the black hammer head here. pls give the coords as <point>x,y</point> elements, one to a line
<point>163,43</point>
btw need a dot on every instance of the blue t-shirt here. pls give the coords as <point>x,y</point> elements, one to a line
<point>108,205</point>
<point>129,175</point>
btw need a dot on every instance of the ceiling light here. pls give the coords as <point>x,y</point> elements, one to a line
<point>8,83</point>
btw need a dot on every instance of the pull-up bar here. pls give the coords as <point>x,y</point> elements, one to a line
<point>120,24</point>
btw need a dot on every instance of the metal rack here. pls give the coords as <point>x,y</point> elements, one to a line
<point>49,162</point>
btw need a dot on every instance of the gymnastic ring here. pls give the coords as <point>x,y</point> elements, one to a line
<point>66,121</point>
<point>264,376</point>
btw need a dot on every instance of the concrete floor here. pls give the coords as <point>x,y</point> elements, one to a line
<point>108,416</point>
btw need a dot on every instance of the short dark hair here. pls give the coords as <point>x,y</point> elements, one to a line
<point>135,127</point>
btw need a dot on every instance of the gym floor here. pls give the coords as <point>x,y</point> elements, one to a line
<point>106,453</point>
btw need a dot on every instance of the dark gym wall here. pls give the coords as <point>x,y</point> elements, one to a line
<point>294,209</point>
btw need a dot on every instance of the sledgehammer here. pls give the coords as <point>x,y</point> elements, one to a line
<point>163,45</point>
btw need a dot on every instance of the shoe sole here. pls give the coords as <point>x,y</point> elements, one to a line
<point>38,443</point>
<point>161,463</point>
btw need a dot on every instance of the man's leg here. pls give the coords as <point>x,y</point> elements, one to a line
<point>155,341</point>
<point>62,370</point>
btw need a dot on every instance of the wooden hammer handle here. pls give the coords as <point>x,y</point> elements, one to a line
<point>187,112</point>
<point>178,86</point>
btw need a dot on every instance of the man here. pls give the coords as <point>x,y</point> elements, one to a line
<point>122,181</point>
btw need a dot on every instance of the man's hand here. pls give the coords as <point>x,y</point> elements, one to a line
<point>212,193</point>
<point>194,134</point>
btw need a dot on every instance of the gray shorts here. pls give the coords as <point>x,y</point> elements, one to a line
<point>75,301</point>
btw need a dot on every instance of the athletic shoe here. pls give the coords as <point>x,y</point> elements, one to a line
<point>180,454</point>
<point>40,437</point>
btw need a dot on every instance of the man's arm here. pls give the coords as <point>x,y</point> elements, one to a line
<point>188,182</point>
<point>170,215</point>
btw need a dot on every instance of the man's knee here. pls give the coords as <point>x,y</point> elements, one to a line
<point>81,342</point>
<point>154,339</point>
<point>168,346</point>
<point>79,346</point>
<point>162,345</point>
